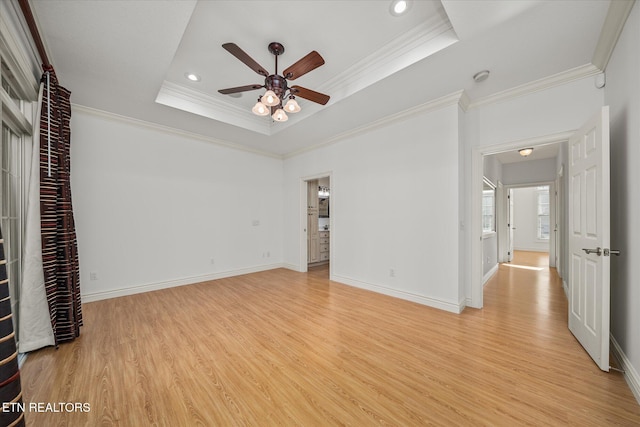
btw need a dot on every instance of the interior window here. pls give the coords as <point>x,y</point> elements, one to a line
<point>488,206</point>
<point>543,225</point>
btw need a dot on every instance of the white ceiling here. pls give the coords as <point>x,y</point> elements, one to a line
<point>129,58</point>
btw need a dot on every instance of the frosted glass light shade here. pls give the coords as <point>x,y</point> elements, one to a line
<point>270,98</point>
<point>291,106</point>
<point>280,115</point>
<point>260,109</point>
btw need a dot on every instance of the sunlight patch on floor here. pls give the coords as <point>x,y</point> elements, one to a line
<point>526,267</point>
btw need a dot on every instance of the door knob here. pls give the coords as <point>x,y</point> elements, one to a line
<point>597,251</point>
<point>612,252</point>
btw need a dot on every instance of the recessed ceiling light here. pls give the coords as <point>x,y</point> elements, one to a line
<point>399,7</point>
<point>193,77</point>
<point>481,76</point>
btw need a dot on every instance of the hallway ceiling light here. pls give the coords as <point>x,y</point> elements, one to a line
<point>524,152</point>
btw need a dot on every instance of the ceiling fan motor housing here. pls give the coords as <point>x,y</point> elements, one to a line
<point>276,83</point>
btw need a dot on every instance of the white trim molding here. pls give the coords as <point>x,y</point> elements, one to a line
<point>452,307</point>
<point>170,130</point>
<point>490,274</point>
<point>544,83</point>
<point>427,107</point>
<point>148,287</point>
<point>613,24</point>
<point>630,374</point>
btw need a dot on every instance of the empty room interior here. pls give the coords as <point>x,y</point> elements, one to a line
<point>371,212</point>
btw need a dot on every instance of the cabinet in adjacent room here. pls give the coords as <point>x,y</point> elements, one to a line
<point>317,237</point>
<point>313,242</point>
<point>323,250</point>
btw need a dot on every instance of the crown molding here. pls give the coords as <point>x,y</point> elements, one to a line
<point>548,82</point>
<point>412,46</point>
<point>465,101</point>
<point>171,130</point>
<point>437,104</point>
<point>192,101</point>
<point>613,24</point>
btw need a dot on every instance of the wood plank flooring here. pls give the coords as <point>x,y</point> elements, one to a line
<point>293,349</point>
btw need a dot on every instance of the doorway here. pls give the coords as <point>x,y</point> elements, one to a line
<point>317,212</point>
<point>531,221</point>
<point>478,169</point>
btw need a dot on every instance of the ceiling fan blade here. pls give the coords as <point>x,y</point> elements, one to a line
<point>309,94</point>
<point>233,49</point>
<point>310,62</point>
<point>239,89</point>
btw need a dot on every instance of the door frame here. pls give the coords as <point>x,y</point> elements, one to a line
<point>552,217</point>
<point>477,171</point>
<point>302,237</point>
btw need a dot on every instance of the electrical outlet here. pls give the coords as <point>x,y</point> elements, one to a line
<point>93,276</point>
<point>268,254</point>
<point>392,272</point>
<point>213,261</point>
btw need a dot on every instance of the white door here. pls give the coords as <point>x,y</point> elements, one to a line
<point>589,237</point>
<point>510,225</point>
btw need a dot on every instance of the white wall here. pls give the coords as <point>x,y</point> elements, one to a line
<point>492,169</point>
<point>152,208</point>
<point>394,195</point>
<point>532,171</point>
<point>525,236</point>
<point>622,94</point>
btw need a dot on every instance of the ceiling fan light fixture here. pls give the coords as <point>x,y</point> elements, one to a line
<point>270,98</point>
<point>260,109</point>
<point>276,85</point>
<point>524,152</point>
<point>292,106</point>
<point>280,115</point>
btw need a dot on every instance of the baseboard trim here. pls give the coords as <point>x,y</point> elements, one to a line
<point>293,267</point>
<point>489,274</point>
<point>132,290</point>
<point>630,374</point>
<point>408,296</point>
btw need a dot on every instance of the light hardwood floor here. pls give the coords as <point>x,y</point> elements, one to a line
<point>285,348</point>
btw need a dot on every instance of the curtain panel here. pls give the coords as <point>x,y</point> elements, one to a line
<point>59,244</point>
<point>35,322</point>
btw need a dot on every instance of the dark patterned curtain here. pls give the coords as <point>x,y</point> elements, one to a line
<point>59,244</point>
<point>11,412</point>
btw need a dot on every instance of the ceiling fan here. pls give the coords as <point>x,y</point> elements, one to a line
<point>277,86</point>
